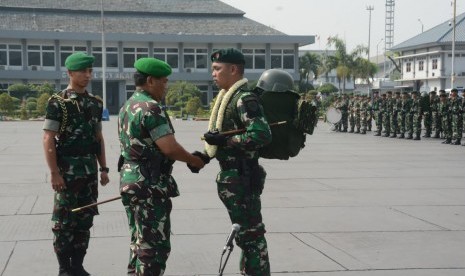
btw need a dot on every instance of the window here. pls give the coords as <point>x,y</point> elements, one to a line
<point>168,55</point>
<point>10,54</point>
<point>408,67</point>
<point>66,51</point>
<point>254,58</point>
<point>112,56</point>
<point>421,65</point>
<point>41,55</point>
<point>434,64</point>
<point>130,55</point>
<point>195,58</point>
<point>130,90</point>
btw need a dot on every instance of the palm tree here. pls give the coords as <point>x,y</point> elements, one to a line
<point>345,61</point>
<point>327,64</point>
<point>309,63</point>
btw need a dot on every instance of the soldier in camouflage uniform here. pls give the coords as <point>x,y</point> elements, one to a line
<point>148,151</point>
<point>396,107</point>
<point>387,114</point>
<point>73,145</point>
<point>444,113</point>
<point>434,107</point>
<point>344,107</point>
<point>241,179</point>
<point>377,113</point>
<point>364,110</point>
<point>427,114</point>
<point>456,117</point>
<point>351,109</point>
<point>402,114</point>
<point>357,106</point>
<point>417,112</point>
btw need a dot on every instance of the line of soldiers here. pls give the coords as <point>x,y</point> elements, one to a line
<point>400,115</point>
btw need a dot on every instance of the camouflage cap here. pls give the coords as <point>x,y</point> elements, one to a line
<point>229,55</point>
<point>153,67</point>
<point>79,61</point>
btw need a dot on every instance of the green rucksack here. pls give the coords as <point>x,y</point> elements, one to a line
<point>281,104</point>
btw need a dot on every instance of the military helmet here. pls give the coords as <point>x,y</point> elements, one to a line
<point>276,80</point>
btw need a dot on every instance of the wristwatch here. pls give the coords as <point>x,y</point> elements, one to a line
<point>104,169</point>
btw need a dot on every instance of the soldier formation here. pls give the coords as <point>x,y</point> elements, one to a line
<point>400,115</point>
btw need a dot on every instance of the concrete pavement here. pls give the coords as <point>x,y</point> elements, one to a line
<point>348,205</point>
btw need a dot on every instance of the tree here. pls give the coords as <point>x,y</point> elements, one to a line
<point>193,105</point>
<point>44,88</point>
<point>308,63</point>
<point>364,69</point>
<point>42,104</point>
<point>19,90</point>
<point>179,94</point>
<point>6,104</point>
<point>327,89</point>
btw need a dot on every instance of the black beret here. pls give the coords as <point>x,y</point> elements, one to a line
<point>229,55</point>
<point>454,90</point>
<point>443,95</point>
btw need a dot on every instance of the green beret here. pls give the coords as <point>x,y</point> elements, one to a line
<point>229,55</point>
<point>79,61</point>
<point>153,67</point>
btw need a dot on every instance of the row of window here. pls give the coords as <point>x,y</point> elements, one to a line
<point>44,55</point>
<point>421,65</point>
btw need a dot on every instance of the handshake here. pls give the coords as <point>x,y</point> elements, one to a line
<point>205,158</point>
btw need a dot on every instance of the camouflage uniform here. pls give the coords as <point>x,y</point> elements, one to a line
<point>77,118</point>
<point>444,113</point>
<point>402,115</point>
<point>456,120</point>
<point>387,114</point>
<point>351,109</point>
<point>377,102</point>
<point>416,111</point>
<point>146,183</point>
<point>241,179</point>
<point>357,109</point>
<point>396,107</point>
<point>364,109</point>
<point>435,119</point>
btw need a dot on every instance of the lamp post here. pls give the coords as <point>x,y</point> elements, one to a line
<point>369,9</point>
<point>104,60</point>
<point>377,55</point>
<point>419,20</point>
<point>452,75</point>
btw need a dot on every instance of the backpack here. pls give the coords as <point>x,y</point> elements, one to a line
<point>300,117</point>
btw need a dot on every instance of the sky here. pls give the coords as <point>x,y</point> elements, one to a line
<point>348,19</point>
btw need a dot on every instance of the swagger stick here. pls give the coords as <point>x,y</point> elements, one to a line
<point>95,204</point>
<point>237,131</point>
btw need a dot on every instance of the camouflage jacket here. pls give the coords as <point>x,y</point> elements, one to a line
<point>141,122</point>
<point>244,111</point>
<point>455,106</point>
<point>77,118</point>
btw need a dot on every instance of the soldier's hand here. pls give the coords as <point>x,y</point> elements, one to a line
<point>58,183</point>
<point>215,138</point>
<point>205,158</point>
<point>104,178</point>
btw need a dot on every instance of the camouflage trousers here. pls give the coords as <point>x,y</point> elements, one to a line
<point>428,122</point>
<point>417,124</point>
<point>379,121</point>
<point>409,124</point>
<point>344,120</point>
<point>394,126</point>
<point>386,122</point>
<point>435,122</point>
<point>456,126</point>
<point>352,121</point>
<point>446,127</point>
<point>72,230</point>
<point>149,229</point>
<point>244,207</point>
<point>401,123</point>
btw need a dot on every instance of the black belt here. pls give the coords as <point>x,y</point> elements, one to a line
<point>236,164</point>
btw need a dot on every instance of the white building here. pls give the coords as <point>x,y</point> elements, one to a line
<point>426,59</point>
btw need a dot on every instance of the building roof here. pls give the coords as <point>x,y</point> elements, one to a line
<point>168,17</point>
<point>438,35</point>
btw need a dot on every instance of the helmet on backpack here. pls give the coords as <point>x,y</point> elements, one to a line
<point>276,80</point>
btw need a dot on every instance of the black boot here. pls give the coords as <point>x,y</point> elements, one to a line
<point>436,135</point>
<point>378,133</point>
<point>456,142</point>
<point>447,141</point>
<point>401,136</point>
<point>417,137</point>
<point>77,258</point>
<point>393,136</point>
<point>65,264</point>
<point>410,136</point>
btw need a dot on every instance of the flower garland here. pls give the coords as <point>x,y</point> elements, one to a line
<point>217,116</point>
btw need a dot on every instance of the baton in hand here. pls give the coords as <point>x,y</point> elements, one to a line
<point>95,204</point>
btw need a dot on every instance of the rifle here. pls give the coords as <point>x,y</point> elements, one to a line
<point>95,204</point>
<point>242,130</point>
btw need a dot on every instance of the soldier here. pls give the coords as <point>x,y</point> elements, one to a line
<point>241,179</point>
<point>377,101</point>
<point>357,109</point>
<point>343,107</point>
<point>364,110</point>
<point>387,114</point>
<point>456,117</point>
<point>444,113</point>
<point>396,106</point>
<point>148,151</point>
<point>402,114</point>
<point>427,113</point>
<point>434,107</point>
<point>382,114</point>
<point>351,109</point>
<point>73,144</point>
<point>417,112</point>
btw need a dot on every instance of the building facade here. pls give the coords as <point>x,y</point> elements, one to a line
<point>425,60</point>
<point>37,36</point>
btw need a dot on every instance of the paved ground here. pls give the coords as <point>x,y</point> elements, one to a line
<point>348,205</point>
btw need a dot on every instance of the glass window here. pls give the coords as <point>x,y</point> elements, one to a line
<point>41,55</point>
<point>195,58</point>
<point>97,53</point>
<point>15,56</point>
<point>408,67</point>
<point>421,65</point>
<point>112,57</point>
<point>254,58</point>
<point>434,64</point>
<point>168,55</point>
<point>66,51</point>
